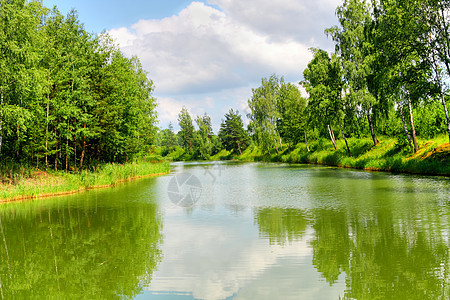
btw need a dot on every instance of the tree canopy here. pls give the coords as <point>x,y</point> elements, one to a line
<point>68,98</point>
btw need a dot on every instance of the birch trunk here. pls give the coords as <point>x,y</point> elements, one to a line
<point>306,142</point>
<point>413,130</point>
<point>330,131</point>
<point>276,146</point>
<point>405,128</point>
<point>46,134</point>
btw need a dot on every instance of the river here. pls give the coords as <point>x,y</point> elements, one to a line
<point>225,230</point>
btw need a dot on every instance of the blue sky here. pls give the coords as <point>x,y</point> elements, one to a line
<point>208,55</point>
<point>98,15</point>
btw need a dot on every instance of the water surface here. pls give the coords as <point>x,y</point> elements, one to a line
<point>255,231</point>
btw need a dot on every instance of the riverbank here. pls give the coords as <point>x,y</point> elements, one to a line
<point>433,157</point>
<point>38,184</point>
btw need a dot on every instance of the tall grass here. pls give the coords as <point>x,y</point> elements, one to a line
<point>37,183</point>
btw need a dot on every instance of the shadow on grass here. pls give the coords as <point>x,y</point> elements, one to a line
<point>361,147</point>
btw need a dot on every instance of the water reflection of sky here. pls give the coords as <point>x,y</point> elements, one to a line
<point>214,250</point>
<point>222,256</point>
<point>230,244</point>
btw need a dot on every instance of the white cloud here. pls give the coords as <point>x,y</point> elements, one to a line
<point>210,269</point>
<point>168,109</point>
<point>204,50</point>
<point>303,21</point>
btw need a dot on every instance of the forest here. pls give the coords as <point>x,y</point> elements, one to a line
<point>387,78</point>
<point>69,99</point>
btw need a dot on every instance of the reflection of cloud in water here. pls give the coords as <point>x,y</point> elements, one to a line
<point>216,259</point>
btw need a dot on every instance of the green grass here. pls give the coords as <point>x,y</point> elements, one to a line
<point>34,183</point>
<point>222,155</point>
<point>388,155</point>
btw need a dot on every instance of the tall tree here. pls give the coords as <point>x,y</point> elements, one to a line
<point>434,34</point>
<point>323,82</point>
<point>291,106</point>
<point>67,96</point>
<point>20,80</point>
<point>232,133</point>
<point>204,136</point>
<point>264,113</point>
<point>168,139</point>
<point>187,129</point>
<point>358,57</point>
<point>407,72</point>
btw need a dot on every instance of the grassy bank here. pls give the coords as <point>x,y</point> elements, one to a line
<point>24,183</point>
<point>433,157</point>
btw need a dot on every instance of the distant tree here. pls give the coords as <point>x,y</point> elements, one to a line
<point>203,145</point>
<point>187,129</point>
<point>232,133</point>
<point>264,113</point>
<point>168,139</point>
<point>291,106</point>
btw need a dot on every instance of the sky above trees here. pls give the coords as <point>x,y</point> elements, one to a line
<point>207,55</point>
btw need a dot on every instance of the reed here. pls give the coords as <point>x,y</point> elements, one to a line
<point>31,183</point>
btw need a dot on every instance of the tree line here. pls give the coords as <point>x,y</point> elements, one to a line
<point>391,62</point>
<point>202,143</point>
<point>388,76</point>
<point>68,98</point>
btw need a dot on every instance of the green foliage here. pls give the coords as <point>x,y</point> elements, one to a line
<point>187,129</point>
<point>291,106</point>
<point>176,155</point>
<point>69,99</point>
<point>168,140</point>
<point>324,84</point>
<point>281,225</point>
<point>110,249</point>
<point>232,133</point>
<point>264,113</point>
<point>202,137</point>
<point>429,120</point>
<point>389,155</point>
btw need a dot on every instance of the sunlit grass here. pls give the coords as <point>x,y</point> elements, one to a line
<point>34,183</point>
<point>390,154</point>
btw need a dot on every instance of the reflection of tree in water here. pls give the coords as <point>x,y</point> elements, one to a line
<point>281,225</point>
<point>384,255</point>
<point>331,251</point>
<point>78,252</point>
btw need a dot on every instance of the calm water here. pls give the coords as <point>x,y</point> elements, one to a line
<point>254,231</point>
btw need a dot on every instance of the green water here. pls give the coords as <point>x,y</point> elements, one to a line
<point>255,231</point>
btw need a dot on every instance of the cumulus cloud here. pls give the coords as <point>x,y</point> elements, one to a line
<point>225,45</point>
<point>217,271</point>
<point>203,49</point>
<point>303,21</point>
